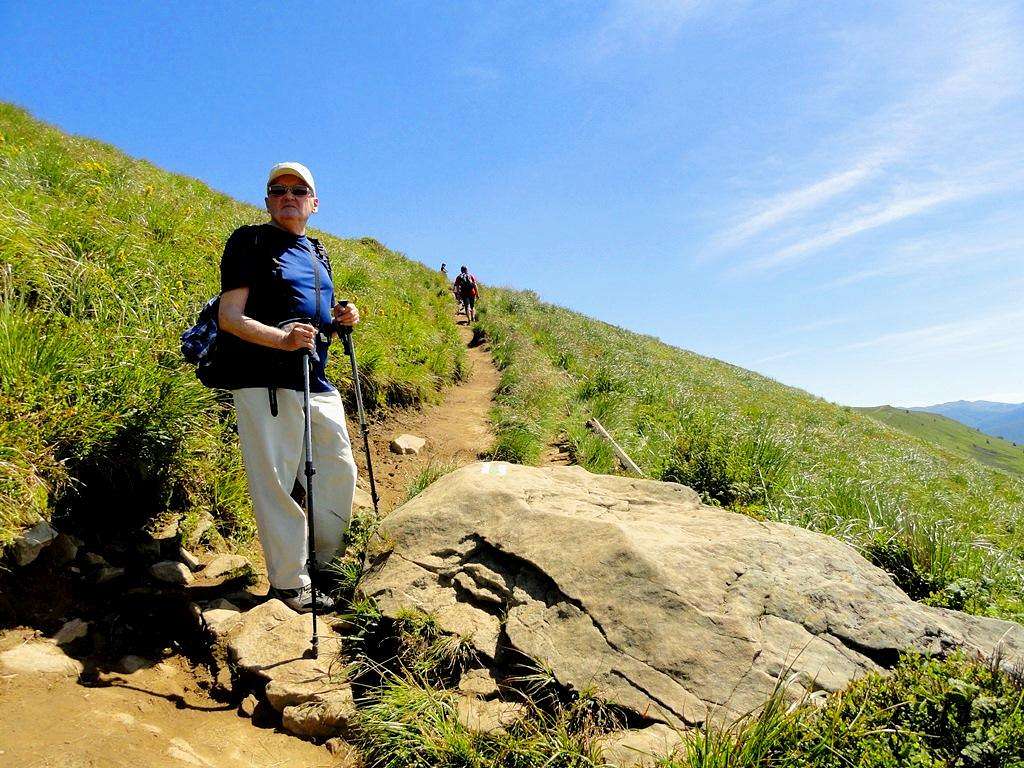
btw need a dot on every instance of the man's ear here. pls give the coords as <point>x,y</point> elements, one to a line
<point>316,204</point>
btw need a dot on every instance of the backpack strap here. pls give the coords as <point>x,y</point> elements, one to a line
<point>322,253</point>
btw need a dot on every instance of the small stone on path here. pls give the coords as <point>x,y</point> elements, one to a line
<point>248,705</point>
<point>270,642</point>
<point>28,546</point>
<point>330,715</point>
<point>164,529</point>
<point>407,444</point>
<point>223,565</point>
<point>71,631</point>
<point>221,616</point>
<point>131,663</point>
<point>108,573</point>
<point>171,571</point>
<point>64,549</point>
<point>189,559</point>
<point>203,524</point>
<point>362,502</point>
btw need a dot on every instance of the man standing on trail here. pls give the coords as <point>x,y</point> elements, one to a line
<point>277,297</point>
<point>466,292</point>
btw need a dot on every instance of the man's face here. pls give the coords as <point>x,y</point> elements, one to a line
<point>289,209</point>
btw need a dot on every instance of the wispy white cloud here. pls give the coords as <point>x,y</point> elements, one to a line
<point>781,207</point>
<point>837,231</point>
<point>928,255</point>
<point>628,24</point>
<point>995,332</point>
<point>944,142</point>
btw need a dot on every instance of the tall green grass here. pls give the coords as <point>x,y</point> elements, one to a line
<point>747,442</point>
<point>952,713</point>
<point>532,395</point>
<point>104,261</point>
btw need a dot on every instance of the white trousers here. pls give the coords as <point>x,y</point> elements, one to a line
<point>272,449</point>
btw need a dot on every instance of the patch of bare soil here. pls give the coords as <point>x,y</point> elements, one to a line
<point>156,716</point>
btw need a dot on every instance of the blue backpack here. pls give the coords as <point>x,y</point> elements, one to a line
<point>199,343</point>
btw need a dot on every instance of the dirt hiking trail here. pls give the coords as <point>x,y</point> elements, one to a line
<point>164,714</point>
<point>457,430</point>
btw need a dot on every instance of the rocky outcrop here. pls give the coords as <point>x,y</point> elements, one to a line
<point>672,609</point>
<point>39,657</point>
<point>269,643</point>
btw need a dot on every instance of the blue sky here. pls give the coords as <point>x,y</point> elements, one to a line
<point>831,194</point>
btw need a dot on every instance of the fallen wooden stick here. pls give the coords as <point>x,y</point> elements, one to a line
<point>623,458</point>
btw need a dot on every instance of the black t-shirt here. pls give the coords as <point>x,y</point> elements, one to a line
<point>286,280</point>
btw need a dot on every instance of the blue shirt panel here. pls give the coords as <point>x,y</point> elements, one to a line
<point>301,268</point>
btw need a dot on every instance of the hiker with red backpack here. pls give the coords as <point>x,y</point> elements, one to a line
<point>465,287</point>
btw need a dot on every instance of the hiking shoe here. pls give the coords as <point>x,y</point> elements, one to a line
<point>301,600</point>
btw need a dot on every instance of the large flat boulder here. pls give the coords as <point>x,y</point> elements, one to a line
<point>671,608</point>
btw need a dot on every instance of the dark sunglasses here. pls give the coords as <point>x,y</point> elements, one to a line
<point>279,190</point>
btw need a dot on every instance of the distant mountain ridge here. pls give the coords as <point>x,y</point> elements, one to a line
<point>1005,420</point>
<point>953,436</point>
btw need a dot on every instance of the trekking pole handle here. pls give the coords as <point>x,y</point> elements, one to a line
<point>343,330</point>
<point>304,351</point>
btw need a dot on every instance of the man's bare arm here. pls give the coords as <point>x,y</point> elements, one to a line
<point>232,318</point>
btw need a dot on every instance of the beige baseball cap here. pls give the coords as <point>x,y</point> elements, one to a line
<point>296,169</point>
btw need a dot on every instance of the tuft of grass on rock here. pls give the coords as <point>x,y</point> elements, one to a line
<point>411,723</point>
<point>434,470</point>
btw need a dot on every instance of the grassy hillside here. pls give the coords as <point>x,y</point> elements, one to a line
<point>953,436</point>
<point>947,528</point>
<point>105,260</point>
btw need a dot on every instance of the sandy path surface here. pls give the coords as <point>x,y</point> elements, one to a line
<point>457,430</point>
<point>156,716</point>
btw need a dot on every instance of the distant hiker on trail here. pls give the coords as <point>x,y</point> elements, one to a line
<point>444,270</point>
<point>272,273</point>
<point>465,287</point>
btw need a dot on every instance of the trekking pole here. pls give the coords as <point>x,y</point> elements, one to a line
<point>308,355</point>
<point>345,331</point>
